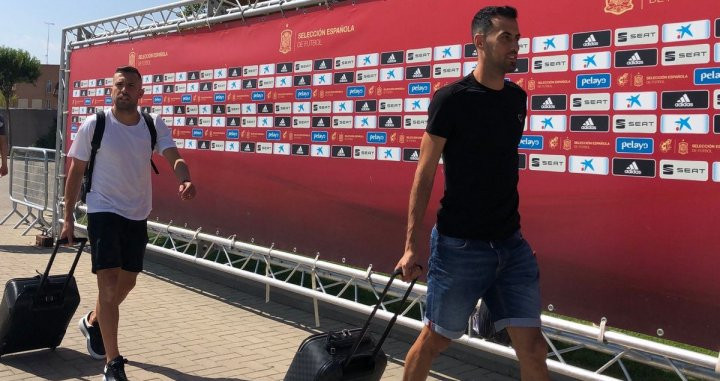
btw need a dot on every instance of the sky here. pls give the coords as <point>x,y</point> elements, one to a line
<point>24,25</point>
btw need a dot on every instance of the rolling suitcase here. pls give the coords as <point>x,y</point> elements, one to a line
<point>350,354</point>
<point>35,312</point>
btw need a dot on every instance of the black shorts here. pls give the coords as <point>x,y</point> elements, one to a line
<point>116,241</point>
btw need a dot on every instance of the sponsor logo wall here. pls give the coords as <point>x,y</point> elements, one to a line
<point>630,96</point>
<point>587,85</point>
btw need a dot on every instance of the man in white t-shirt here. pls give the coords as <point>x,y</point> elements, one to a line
<point>3,147</point>
<point>119,202</point>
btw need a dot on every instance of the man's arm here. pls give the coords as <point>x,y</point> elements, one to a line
<point>72,189</point>
<point>431,148</point>
<point>186,191</point>
<point>3,155</point>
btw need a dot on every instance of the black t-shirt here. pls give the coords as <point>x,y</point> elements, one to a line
<point>483,128</point>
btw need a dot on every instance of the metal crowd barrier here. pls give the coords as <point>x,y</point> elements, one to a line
<point>343,287</point>
<point>29,186</point>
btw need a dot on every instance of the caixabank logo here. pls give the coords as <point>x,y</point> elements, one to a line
<point>684,124</point>
<point>588,165</point>
<point>553,43</point>
<point>686,31</point>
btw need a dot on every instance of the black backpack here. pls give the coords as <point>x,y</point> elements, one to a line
<point>97,138</point>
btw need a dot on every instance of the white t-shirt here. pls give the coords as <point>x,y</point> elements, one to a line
<point>121,180</point>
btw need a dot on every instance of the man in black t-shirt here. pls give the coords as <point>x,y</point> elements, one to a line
<point>477,250</point>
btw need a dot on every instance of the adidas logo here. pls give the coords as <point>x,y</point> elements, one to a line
<point>415,156</point>
<point>301,81</point>
<point>389,123</point>
<point>321,123</point>
<point>322,65</point>
<point>233,122</point>
<point>247,148</point>
<point>365,107</point>
<point>341,152</point>
<point>635,60</point>
<point>418,73</point>
<point>218,110</point>
<point>343,78</point>
<point>300,151</point>
<point>282,123</point>
<point>548,104</point>
<point>234,73</point>
<point>591,41</point>
<point>684,101</point>
<point>633,169</point>
<point>264,109</point>
<point>392,59</point>
<point>588,125</point>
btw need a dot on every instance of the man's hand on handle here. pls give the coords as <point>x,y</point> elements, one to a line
<point>409,266</point>
<point>186,191</point>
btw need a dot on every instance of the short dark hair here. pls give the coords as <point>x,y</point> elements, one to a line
<point>482,22</point>
<point>128,69</point>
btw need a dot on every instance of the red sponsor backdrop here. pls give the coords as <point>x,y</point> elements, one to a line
<point>641,251</point>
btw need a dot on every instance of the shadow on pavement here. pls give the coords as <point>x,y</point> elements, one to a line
<point>174,374</point>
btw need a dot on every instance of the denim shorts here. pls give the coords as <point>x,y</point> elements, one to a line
<point>503,273</point>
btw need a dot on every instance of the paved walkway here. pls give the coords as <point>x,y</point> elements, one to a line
<point>176,326</point>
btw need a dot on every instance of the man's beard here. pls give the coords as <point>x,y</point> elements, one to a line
<point>124,105</point>
<point>510,68</point>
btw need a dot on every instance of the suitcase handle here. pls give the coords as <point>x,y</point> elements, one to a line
<point>43,279</point>
<point>390,324</point>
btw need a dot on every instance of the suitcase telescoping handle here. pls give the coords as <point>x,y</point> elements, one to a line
<point>390,324</point>
<point>59,242</point>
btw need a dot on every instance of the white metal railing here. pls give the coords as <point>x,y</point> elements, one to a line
<point>29,186</point>
<point>356,290</point>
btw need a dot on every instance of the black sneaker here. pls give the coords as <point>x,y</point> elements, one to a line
<point>93,336</point>
<point>115,370</point>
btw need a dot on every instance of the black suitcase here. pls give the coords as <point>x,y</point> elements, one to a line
<point>35,312</point>
<point>350,354</point>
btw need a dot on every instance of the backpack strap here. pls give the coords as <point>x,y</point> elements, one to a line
<point>95,146</point>
<point>153,136</point>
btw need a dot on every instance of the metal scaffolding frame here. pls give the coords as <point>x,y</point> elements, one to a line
<point>329,282</point>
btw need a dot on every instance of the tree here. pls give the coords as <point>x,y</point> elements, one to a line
<point>16,66</point>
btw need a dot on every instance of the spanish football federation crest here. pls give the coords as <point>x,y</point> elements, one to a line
<point>618,7</point>
<point>131,58</point>
<point>286,41</point>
